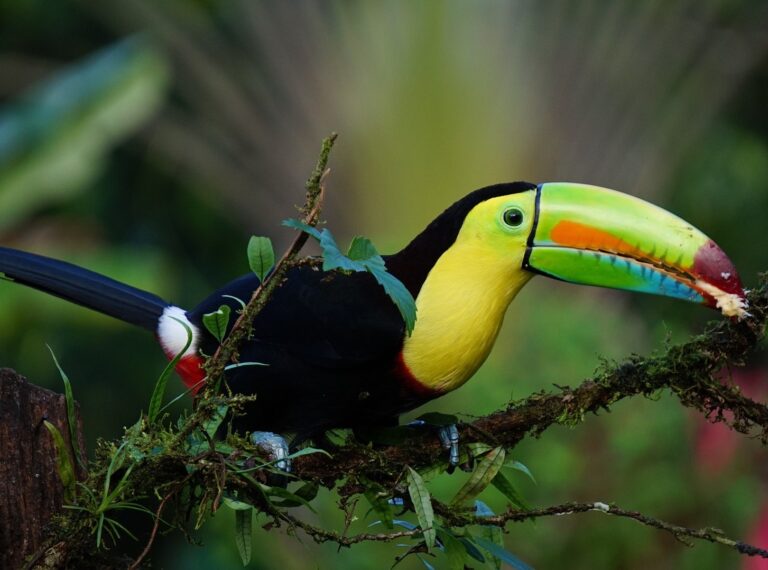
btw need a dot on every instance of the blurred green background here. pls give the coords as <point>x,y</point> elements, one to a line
<point>148,140</point>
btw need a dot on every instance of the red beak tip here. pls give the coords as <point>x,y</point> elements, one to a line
<point>712,266</point>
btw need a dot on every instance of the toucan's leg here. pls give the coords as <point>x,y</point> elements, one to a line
<point>275,447</point>
<point>449,437</point>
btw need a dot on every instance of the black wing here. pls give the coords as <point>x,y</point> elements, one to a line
<point>329,343</point>
<point>331,319</point>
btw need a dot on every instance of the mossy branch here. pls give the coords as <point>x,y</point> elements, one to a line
<point>689,370</point>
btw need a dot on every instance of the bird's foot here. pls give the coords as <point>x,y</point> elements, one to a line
<point>275,447</point>
<point>449,438</point>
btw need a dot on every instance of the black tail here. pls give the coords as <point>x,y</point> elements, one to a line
<point>83,287</point>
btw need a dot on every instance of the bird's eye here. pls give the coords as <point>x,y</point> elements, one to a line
<point>513,217</point>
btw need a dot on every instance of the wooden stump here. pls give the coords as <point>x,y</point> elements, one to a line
<point>31,490</point>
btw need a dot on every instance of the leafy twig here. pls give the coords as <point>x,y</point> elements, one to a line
<point>679,532</point>
<point>515,515</point>
<point>227,350</point>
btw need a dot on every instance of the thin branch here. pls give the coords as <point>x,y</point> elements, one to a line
<point>228,350</point>
<point>156,526</point>
<point>681,533</point>
<point>321,535</point>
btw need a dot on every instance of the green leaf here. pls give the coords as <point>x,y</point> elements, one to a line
<point>217,322</point>
<point>71,415</point>
<point>308,451</point>
<point>241,364</point>
<point>362,256</point>
<point>378,498</point>
<point>237,300</point>
<point>502,554</point>
<point>235,504</point>
<point>505,486</point>
<point>243,534</point>
<point>301,226</point>
<point>261,256</point>
<point>308,491</point>
<point>289,499</point>
<point>211,425</point>
<point>156,401</point>
<point>429,473</point>
<point>402,298</point>
<point>481,477</point>
<point>361,249</point>
<point>64,464</point>
<point>338,436</point>
<point>472,548</point>
<point>517,466</point>
<point>453,548</point>
<point>422,504</point>
<point>477,449</point>
<point>490,532</point>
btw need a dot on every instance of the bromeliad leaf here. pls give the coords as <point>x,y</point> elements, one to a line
<point>63,462</point>
<point>71,416</point>
<point>261,256</point>
<point>362,256</point>
<point>243,534</point>
<point>156,401</point>
<point>217,322</point>
<point>422,504</point>
<point>481,477</point>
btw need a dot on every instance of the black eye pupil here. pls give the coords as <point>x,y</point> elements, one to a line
<point>513,217</point>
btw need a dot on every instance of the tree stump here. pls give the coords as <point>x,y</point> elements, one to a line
<point>31,490</point>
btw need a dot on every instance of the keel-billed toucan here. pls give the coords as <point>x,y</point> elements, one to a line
<point>335,348</point>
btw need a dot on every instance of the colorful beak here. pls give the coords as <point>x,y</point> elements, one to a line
<point>595,236</point>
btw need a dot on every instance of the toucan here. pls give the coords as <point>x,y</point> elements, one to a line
<point>333,348</point>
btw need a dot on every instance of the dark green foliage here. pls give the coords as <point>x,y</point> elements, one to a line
<point>362,256</point>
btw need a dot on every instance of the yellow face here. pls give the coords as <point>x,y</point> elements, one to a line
<point>461,304</point>
<point>501,226</point>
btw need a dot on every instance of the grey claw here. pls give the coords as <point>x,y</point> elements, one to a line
<point>275,447</point>
<point>449,437</point>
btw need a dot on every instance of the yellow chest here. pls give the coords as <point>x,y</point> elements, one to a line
<point>461,307</point>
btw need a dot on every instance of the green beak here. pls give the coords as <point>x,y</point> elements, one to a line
<point>595,236</point>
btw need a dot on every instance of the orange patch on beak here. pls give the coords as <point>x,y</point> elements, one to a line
<point>581,236</point>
